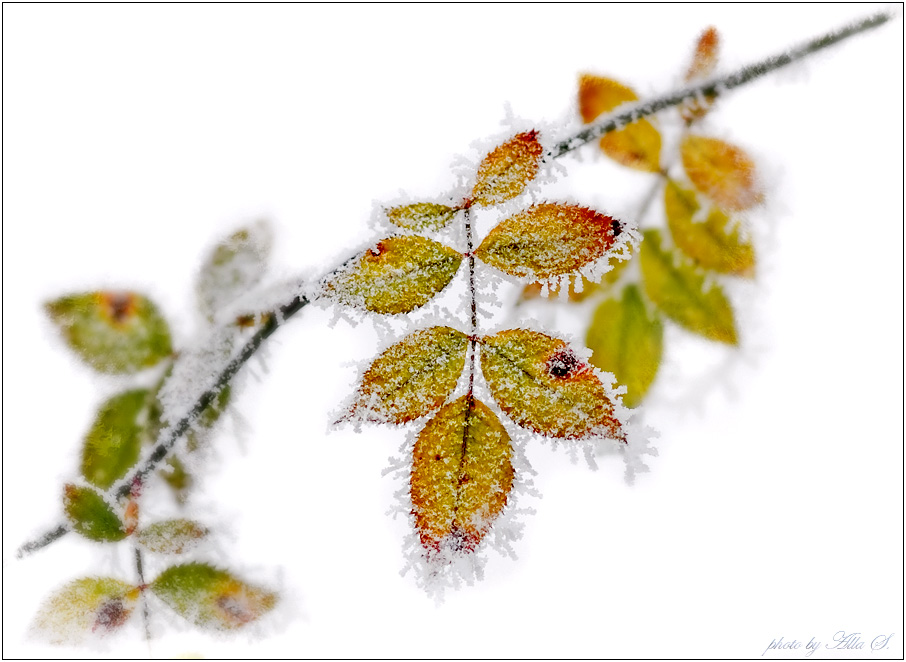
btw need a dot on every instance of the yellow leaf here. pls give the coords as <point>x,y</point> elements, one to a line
<point>721,171</point>
<point>96,605</point>
<point>505,172</point>
<point>542,385</point>
<point>678,288</point>
<point>461,475</point>
<point>713,243</point>
<point>421,216</point>
<point>636,146</point>
<point>549,240</point>
<point>396,276</point>
<point>627,341</point>
<point>413,377</point>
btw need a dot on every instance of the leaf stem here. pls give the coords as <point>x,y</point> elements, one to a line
<point>713,87</point>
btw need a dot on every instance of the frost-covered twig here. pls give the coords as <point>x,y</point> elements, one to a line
<point>713,87</point>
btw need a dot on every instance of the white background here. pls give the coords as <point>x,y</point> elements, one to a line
<point>136,135</point>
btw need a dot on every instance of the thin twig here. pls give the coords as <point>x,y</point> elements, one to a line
<point>637,111</point>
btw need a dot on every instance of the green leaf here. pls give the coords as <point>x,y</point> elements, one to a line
<point>91,516</point>
<point>114,332</point>
<point>413,377</point>
<point>549,240</point>
<point>679,289</point>
<point>462,472</point>
<point>174,536</point>
<point>421,216</point>
<point>507,169</point>
<point>211,598</point>
<point>541,384</point>
<point>713,243</point>
<point>98,605</point>
<point>627,341</point>
<point>114,441</point>
<point>233,267</point>
<point>398,275</point>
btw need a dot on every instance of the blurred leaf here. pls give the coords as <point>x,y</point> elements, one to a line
<point>721,171</point>
<point>234,267</point>
<point>413,377</point>
<point>505,172</point>
<point>96,605</point>
<point>679,290</point>
<point>628,342</point>
<point>714,243</point>
<point>114,441</point>
<point>421,216</point>
<point>549,240</point>
<point>90,515</point>
<point>541,384</point>
<point>173,536</point>
<point>703,62</point>
<point>114,332</point>
<point>396,276</point>
<point>638,145</point>
<point>211,598</point>
<point>461,476</point>
<point>707,49</point>
<point>177,477</point>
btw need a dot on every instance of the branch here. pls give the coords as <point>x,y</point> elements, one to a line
<point>713,87</point>
<point>611,123</point>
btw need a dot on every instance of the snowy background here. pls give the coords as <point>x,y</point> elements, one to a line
<point>135,136</point>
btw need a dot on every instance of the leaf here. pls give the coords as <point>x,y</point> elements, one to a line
<point>114,332</point>
<point>678,289</point>
<point>396,276</point>
<point>627,341</point>
<point>714,243</point>
<point>548,240</point>
<point>96,605</point>
<point>541,384</point>
<point>707,49</point>
<point>211,598</point>
<point>721,171</point>
<point>173,536</point>
<point>505,172</point>
<point>234,267</point>
<point>422,216</point>
<point>638,145</point>
<point>90,515</point>
<point>462,473</point>
<point>114,441</point>
<point>413,377</point>
<point>178,478</point>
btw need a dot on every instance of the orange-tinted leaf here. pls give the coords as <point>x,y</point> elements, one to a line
<point>211,598</point>
<point>721,171</point>
<point>396,276</point>
<point>91,516</point>
<point>114,332</point>
<point>549,240</point>
<point>627,340</point>
<point>704,59</point>
<point>413,377</point>
<point>680,290</point>
<point>542,385</point>
<point>421,216</point>
<point>713,242</point>
<point>461,475</point>
<point>638,145</point>
<point>98,605</point>
<point>505,172</point>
